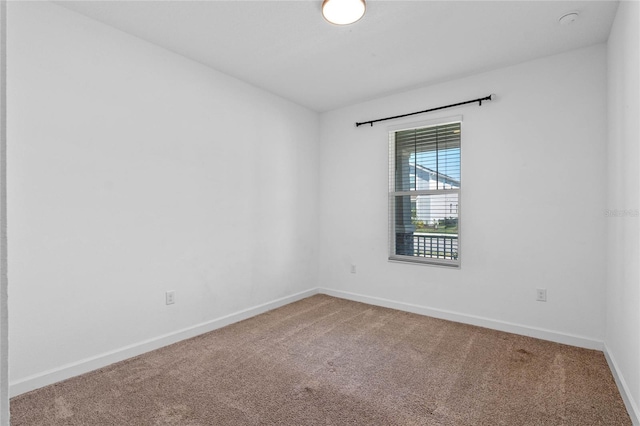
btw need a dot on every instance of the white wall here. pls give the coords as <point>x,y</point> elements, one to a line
<point>623,253</point>
<point>133,171</point>
<point>4,317</point>
<point>533,191</point>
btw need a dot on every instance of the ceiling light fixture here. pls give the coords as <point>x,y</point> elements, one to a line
<point>343,12</point>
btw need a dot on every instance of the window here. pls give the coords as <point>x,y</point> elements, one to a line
<point>424,194</point>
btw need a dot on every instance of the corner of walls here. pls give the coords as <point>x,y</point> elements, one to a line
<point>623,387</point>
<point>622,337</point>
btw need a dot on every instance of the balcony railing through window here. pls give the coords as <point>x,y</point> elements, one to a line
<point>435,246</point>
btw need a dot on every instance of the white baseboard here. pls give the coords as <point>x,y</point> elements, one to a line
<point>539,333</point>
<point>99,361</point>
<point>632,407</point>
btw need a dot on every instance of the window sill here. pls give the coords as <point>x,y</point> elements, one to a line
<point>449,264</point>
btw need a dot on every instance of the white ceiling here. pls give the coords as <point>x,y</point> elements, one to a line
<point>287,48</point>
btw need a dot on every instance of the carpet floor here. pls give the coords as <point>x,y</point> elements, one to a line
<point>329,361</point>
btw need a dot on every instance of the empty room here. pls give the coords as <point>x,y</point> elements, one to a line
<point>287,212</point>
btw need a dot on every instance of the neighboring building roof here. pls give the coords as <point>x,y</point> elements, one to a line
<point>425,173</point>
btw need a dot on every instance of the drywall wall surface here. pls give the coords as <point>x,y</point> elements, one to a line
<point>134,171</point>
<point>532,197</point>
<point>623,202</point>
<point>4,317</point>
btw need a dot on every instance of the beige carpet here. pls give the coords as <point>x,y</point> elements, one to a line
<point>328,361</point>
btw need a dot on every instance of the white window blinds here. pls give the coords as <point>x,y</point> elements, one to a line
<point>424,194</point>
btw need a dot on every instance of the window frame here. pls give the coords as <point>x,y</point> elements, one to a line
<point>392,194</point>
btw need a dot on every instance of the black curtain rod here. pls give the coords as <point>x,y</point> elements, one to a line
<point>479,100</point>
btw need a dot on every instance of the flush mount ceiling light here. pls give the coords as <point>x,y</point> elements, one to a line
<point>343,12</point>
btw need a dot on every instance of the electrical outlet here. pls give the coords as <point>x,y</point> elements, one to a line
<point>170,297</point>
<point>353,269</point>
<point>541,294</point>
